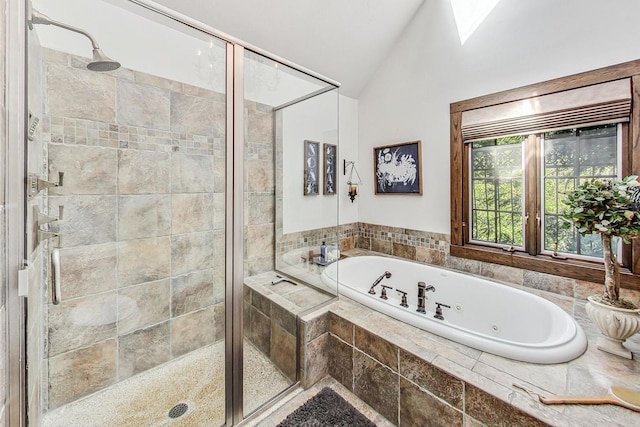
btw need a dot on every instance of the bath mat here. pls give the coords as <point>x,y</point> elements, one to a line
<point>326,409</point>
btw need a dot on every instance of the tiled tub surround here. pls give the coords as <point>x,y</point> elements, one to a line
<point>415,378</point>
<point>433,248</point>
<point>142,239</point>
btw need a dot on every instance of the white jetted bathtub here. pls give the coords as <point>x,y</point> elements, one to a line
<point>484,315</point>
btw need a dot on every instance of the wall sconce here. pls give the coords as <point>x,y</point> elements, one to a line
<point>353,185</point>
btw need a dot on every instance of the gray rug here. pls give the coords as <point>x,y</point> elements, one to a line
<point>326,409</point>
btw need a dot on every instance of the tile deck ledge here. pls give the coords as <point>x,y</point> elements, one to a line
<point>590,374</point>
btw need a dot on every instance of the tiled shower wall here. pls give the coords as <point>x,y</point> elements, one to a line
<point>142,238</point>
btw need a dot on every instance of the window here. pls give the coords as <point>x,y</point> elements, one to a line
<point>498,196</point>
<point>507,191</point>
<point>496,191</point>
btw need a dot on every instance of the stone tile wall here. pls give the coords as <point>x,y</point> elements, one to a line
<point>403,387</point>
<point>272,328</point>
<point>259,202</point>
<point>142,238</point>
<point>345,235</point>
<point>433,248</point>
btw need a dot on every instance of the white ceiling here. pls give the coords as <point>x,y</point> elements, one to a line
<point>345,40</point>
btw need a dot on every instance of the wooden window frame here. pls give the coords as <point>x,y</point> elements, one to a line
<point>592,271</point>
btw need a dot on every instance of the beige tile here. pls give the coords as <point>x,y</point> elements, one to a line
<point>340,363</point>
<point>260,241</point>
<point>191,212</point>
<point>503,273</point>
<point>192,331</point>
<point>88,220</point>
<point>143,105</point>
<point>143,260</point>
<point>260,209</point>
<point>192,252</point>
<point>430,256</point>
<point>87,170</point>
<point>80,372</point>
<point>218,211</point>
<point>143,349</point>
<point>191,114</point>
<point>377,385</point>
<point>144,215</point>
<point>260,126</point>
<point>404,251</point>
<point>377,347</point>
<point>82,321</point>
<point>86,270</point>
<point>191,292</point>
<point>432,379</point>
<point>283,350</point>
<point>143,172</point>
<point>260,176</point>
<point>93,94</point>
<point>493,411</point>
<point>547,282</point>
<point>420,408</point>
<point>191,173</point>
<point>143,305</point>
<point>259,330</point>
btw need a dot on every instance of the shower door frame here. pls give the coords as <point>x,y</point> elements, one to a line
<point>16,95</point>
<point>15,202</point>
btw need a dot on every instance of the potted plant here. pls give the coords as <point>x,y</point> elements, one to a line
<point>608,207</point>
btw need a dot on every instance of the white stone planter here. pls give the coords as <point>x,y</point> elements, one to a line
<point>615,324</point>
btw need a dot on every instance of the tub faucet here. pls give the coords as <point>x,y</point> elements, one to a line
<point>384,275</point>
<point>422,288</point>
<point>439,306</point>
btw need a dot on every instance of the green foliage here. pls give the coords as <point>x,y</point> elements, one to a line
<point>603,206</point>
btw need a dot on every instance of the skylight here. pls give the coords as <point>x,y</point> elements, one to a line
<point>469,15</point>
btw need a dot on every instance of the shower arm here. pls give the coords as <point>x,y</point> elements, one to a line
<point>36,17</point>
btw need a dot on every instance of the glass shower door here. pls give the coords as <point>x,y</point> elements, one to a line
<point>136,332</point>
<point>283,107</point>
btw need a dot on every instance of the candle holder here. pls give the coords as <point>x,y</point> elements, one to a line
<point>353,185</point>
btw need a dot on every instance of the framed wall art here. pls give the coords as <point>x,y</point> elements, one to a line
<point>330,159</point>
<point>311,168</point>
<point>397,168</point>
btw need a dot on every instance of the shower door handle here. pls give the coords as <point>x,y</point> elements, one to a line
<point>55,276</point>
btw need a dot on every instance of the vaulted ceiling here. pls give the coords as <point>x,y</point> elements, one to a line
<point>345,40</point>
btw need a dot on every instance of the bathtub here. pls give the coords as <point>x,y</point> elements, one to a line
<point>485,315</point>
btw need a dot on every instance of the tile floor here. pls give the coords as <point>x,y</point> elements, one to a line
<point>196,379</point>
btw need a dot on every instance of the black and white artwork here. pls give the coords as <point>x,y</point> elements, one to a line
<point>330,159</point>
<point>397,168</point>
<point>311,168</point>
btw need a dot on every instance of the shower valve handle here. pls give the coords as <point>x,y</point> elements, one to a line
<point>42,184</point>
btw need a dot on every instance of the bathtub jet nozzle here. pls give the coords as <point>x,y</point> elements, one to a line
<point>384,275</point>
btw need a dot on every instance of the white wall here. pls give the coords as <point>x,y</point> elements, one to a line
<point>144,41</point>
<point>316,120</point>
<point>520,42</point>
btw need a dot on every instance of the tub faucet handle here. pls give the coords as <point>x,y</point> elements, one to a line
<point>438,314</point>
<point>403,303</point>
<point>383,294</point>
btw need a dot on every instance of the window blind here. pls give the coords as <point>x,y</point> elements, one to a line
<point>590,105</point>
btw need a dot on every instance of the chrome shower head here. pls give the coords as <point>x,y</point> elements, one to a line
<point>100,61</point>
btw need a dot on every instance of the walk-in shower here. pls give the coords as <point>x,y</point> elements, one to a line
<point>182,167</point>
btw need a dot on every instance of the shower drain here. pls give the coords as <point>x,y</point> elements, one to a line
<point>178,410</point>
